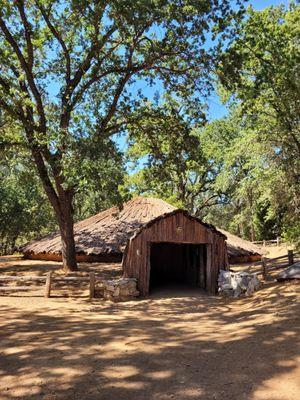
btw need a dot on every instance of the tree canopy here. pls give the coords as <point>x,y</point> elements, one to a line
<point>260,73</point>
<point>68,70</point>
<point>251,156</point>
<point>165,142</point>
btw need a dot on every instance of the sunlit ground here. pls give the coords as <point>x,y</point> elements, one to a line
<point>175,345</point>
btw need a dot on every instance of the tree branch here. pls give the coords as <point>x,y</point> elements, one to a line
<point>60,40</point>
<point>29,74</point>
<point>27,32</point>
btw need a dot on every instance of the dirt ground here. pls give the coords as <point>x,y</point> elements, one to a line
<point>277,251</point>
<point>176,344</point>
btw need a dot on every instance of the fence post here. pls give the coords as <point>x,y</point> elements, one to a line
<point>48,285</point>
<point>291,257</point>
<point>278,241</point>
<point>264,267</point>
<point>92,285</point>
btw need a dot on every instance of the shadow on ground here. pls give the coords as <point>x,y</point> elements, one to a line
<point>18,266</point>
<point>188,347</point>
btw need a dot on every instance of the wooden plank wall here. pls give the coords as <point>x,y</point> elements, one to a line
<point>176,228</point>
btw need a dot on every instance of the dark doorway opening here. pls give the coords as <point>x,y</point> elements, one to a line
<point>179,264</point>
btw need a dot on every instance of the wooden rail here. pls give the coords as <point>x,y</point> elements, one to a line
<point>265,243</point>
<point>49,279</point>
<point>266,263</point>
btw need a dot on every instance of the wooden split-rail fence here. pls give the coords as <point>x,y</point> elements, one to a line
<point>48,280</point>
<point>264,243</point>
<point>263,267</point>
<point>267,265</point>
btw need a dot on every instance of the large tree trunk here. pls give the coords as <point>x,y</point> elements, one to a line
<point>61,201</point>
<point>66,226</point>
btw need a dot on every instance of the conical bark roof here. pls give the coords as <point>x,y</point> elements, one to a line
<point>106,232</point>
<point>109,231</point>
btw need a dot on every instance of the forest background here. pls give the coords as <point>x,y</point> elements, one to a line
<point>230,154</point>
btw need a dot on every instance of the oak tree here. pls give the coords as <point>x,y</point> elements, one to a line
<point>68,69</point>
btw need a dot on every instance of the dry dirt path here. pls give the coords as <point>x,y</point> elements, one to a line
<point>174,345</point>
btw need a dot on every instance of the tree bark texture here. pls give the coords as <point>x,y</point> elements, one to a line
<point>66,226</point>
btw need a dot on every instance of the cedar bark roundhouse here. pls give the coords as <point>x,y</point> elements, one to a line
<point>157,243</point>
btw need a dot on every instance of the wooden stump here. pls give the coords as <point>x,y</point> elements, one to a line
<point>48,284</point>
<point>291,257</point>
<point>92,285</point>
<point>264,267</point>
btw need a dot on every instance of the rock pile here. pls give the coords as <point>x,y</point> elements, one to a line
<point>292,272</point>
<point>236,284</point>
<point>120,289</point>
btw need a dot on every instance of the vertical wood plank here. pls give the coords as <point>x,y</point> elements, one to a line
<point>208,269</point>
<point>147,266</point>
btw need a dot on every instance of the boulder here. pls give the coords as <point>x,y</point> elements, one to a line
<point>292,272</point>
<point>236,284</point>
<point>120,289</point>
